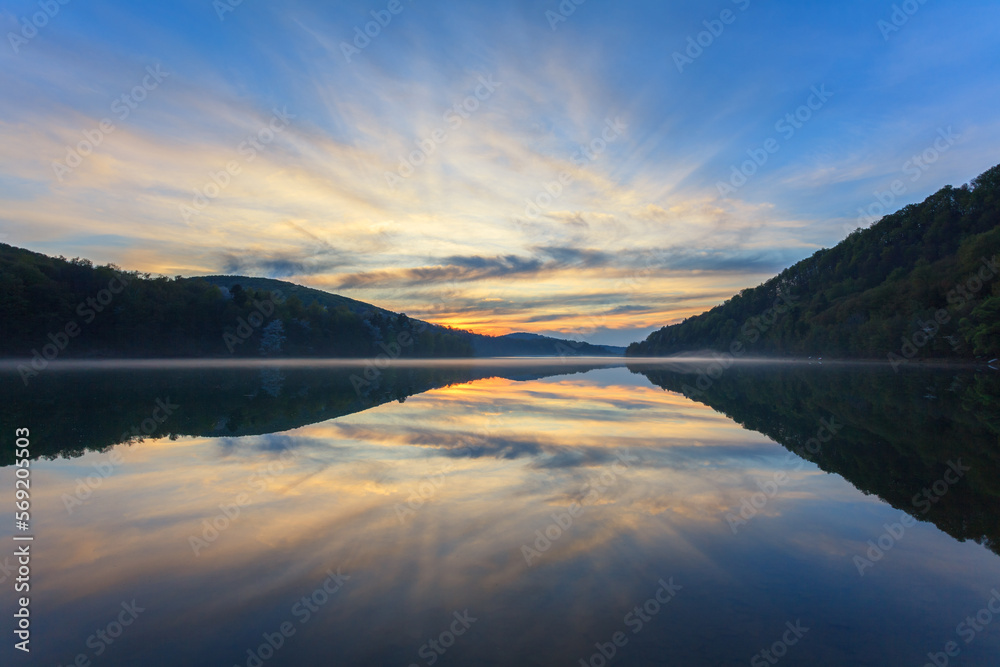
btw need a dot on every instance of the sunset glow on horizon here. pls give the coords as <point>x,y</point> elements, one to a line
<point>473,166</point>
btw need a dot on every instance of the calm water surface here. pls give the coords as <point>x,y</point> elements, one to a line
<point>514,516</point>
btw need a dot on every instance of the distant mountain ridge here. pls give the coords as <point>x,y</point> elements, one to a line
<point>512,344</point>
<point>529,344</point>
<point>921,283</point>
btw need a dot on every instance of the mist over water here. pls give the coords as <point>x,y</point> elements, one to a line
<point>680,361</point>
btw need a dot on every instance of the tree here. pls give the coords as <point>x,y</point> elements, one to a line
<point>272,338</point>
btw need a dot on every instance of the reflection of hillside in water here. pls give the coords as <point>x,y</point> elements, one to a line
<point>900,431</point>
<point>70,413</point>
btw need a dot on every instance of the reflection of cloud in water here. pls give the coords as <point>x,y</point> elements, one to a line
<point>508,455</point>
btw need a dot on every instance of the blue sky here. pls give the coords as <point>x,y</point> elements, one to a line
<point>638,234</point>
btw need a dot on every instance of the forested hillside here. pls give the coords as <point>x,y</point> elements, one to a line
<point>922,282</point>
<point>53,307</point>
<point>70,308</point>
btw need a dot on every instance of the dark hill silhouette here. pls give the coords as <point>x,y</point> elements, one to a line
<point>922,282</point>
<point>53,307</point>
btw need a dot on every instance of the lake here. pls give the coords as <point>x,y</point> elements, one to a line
<point>527,512</point>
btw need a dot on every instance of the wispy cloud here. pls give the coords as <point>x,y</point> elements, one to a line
<point>454,239</point>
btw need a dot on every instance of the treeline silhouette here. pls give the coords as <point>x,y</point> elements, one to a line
<point>921,282</point>
<point>53,307</point>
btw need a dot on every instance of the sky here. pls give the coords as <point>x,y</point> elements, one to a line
<point>592,170</point>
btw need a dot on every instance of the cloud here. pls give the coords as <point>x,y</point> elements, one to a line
<point>281,264</point>
<point>630,309</point>
<point>458,269</point>
<point>642,223</point>
<point>433,274</point>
